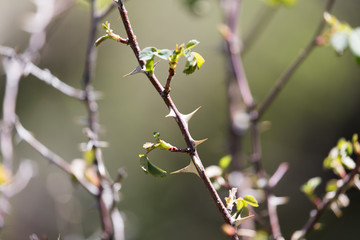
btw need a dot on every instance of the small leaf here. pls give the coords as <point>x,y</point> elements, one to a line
<point>164,145</point>
<point>354,42</point>
<point>331,185</point>
<point>199,59</point>
<point>101,39</point>
<point>191,44</point>
<point>148,145</point>
<point>251,200</point>
<point>240,204</point>
<point>144,163</point>
<point>150,66</point>
<point>148,167</point>
<point>156,171</point>
<point>339,41</point>
<point>89,156</point>
<point>348,162</point>
<point>225,162</point>
<point>147,53</point>
<point>164,54</point>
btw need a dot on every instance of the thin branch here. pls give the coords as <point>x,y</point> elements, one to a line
<point>182,124</point>
<point>325,204</point>
<point>42,74</point>
<point>51,156</point>
<point>111,220</point>
<point>284,78</point>
<point>260,22</point>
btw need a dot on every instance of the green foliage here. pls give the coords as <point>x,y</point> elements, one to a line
<point>225,162</point>
<point>148,167</point>
<point>341,35</point>
<point>239,206</point>
<point>109,35</point>
<point>145,163</point>
<point>309,187</point>
<point>340,161</point>
<point>193,60</point>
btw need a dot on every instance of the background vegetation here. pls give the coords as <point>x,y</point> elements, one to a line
<point>318,106</point>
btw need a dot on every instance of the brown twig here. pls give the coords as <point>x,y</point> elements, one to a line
<point>111,221</point>
<point>325,204</point>
<point>182,124</point>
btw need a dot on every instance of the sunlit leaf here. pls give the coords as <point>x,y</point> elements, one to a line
<point>147,53</point>
<point>251,200</point>
<point>89,156</point>
<point>164,54</point>
<point>354,41</point>
<point>199,59</point>
<point>225,162</point>
<point>148,167</point>
<point>191,44</point>
<point>339,41</point>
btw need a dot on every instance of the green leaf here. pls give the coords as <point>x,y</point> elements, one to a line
<point>309,187</point>
<point>164,145</point>
<point>150,66</point>
<point>148,167</point>
<point>199,59</point>
<point>164,54</point>
<point>101,39</point>
<point>89,156</point>
<point>331,185</point>
<point>191,44</point>
<point>240,204</point>
<point>251,200</point>
<point>225,162</point>
<point>354,42</point>
<point>144,163</point>
<point>339,41</point>
<point>147,53</point>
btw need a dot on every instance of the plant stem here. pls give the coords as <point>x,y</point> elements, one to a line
<point>285,77</point>
<point>325,204</point>
<point>111,221</point>
<point>260,22</point>
<point>182,124</point>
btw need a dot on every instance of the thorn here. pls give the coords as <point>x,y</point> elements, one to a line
<point>187,117</point>
<point>188,169</point>
<point>171,113</point>
<point>138,69</point>
<point>198,142</point>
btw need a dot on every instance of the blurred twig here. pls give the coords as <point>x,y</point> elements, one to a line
<point>285,77</point>
<point>325,204</point>
<point>111,220</point>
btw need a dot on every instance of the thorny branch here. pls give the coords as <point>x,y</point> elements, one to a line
<point>178,117</point>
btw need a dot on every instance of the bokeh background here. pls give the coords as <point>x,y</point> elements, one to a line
<point>319,105</point>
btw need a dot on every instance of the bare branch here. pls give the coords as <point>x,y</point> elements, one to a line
<point>51,156</point>
<point>284,78</point>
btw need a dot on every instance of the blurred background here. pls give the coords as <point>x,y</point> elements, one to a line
<point>320,105</point>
